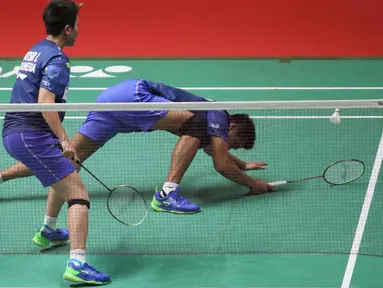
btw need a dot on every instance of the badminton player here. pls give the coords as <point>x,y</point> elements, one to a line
<point>214,131</point>
<point>30,138</point>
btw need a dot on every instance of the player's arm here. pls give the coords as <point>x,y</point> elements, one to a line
<point>224,164</point>
<point>246,166</point>
<point>52,118</point>
<point>54,82</point>
<point>243,165</point>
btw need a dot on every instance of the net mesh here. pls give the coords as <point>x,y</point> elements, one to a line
<point>310,217</point>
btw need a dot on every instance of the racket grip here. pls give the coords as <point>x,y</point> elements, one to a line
<point>277,183</point>
<point>58,145</point>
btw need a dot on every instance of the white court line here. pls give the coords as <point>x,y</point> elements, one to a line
<point>262,117</point>
<point>232,88</point>
<point>363,217</point>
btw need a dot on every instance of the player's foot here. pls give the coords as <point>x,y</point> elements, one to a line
<point>83,273</point>
<point>46,235</point>
<point>173,203</point>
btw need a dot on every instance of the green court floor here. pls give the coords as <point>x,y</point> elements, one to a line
<point>296,238</point>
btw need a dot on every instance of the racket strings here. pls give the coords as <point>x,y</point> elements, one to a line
<point>344,172</point>
<point>127,205</point>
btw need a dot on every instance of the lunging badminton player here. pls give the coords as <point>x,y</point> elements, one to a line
<point>30,138</point>
<point>215,131</point>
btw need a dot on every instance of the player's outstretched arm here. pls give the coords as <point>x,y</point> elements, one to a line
<point>243,165</point>
<point>17,170</point>
<point>246,166</point>
<point>224,164</point>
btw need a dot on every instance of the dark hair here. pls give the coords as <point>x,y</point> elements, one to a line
<point>246,129</point>
<point>58,14</point>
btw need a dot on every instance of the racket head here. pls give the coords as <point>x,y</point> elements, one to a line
<point>127,206</point>
<point>344,172</point>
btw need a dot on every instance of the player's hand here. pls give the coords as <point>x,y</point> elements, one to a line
<point>255,166</point>
<point>68,150</point>
<point>260,187</point>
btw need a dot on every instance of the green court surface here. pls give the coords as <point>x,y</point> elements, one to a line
<point>296,238</point>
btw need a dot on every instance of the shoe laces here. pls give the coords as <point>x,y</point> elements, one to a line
<point>180,199</point>
<point>91,268</point>
<point>59,231</point>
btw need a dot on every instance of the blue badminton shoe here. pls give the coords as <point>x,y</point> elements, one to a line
<point>173,203</point>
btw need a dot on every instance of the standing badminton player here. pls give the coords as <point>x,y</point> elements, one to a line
<point>30,138</point>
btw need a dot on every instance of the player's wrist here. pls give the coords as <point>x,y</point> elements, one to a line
<point>252,183</point>
<point>64,141</point>
<point>258,184</point>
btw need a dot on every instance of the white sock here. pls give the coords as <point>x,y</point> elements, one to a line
<point>1,179</point>
<point>168,187</point>
<point>50,221</point>
<point>79,255</point>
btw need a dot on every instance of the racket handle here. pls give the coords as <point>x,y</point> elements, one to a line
<point>277,183</point>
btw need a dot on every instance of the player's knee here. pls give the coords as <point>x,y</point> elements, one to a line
<point>78,201</point>
<point>78,195</point>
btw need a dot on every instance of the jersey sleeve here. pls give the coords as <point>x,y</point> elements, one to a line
<point>56,75</point>
<point>218,124</point>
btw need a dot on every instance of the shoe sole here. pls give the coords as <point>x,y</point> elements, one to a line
<point>159,209</point>
<point>38,243</point>
<point>75,279</point>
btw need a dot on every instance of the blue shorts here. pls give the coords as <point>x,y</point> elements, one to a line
<point>38,152</point>
<point>103,126</point>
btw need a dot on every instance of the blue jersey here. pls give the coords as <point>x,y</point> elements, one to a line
<point>44,66</point>
<point>101,126</point>
<point>217,121</point>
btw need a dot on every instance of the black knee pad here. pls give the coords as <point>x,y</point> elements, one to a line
<point>79,202</point>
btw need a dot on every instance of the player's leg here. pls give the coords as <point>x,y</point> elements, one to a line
<point>172,121</point>
<point>182,156</point>
<point>186,147</point>
<point>84,147</point>
<point>183,152</point>
<point>17,170</point>
<point>48,232</point>
<point>168,198</point>
<point>39,153</point>
<point>76,195</point>
<point>78,205</point>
